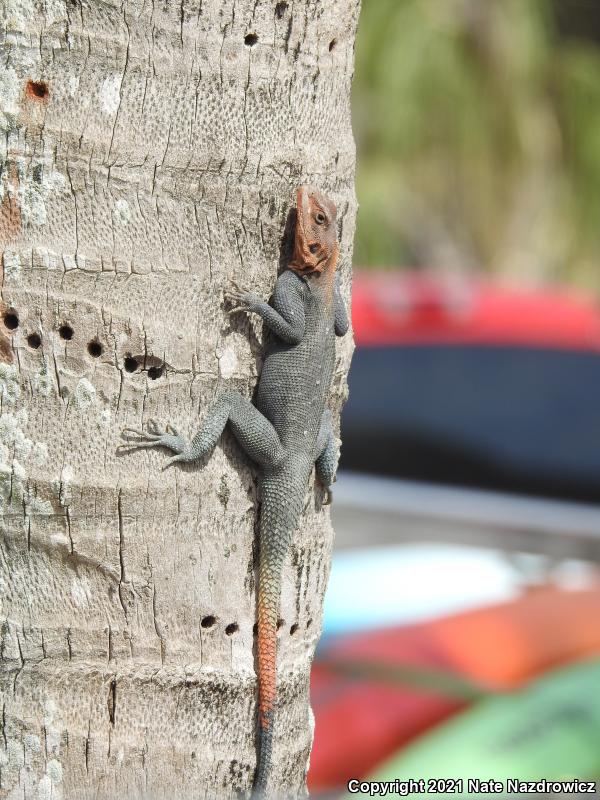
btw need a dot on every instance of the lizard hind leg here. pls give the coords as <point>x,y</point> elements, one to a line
<point>327,458</point>
<point>252,430</point>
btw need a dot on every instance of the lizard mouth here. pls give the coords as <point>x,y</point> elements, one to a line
<point>308,268</point>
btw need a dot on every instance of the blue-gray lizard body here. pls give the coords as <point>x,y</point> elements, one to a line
<point>289,430</point>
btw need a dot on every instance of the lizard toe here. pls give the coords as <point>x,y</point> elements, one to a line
<point>128,433</point>
<point>239,288</point>
<point>236,310</point>
<point>154,428</point>
<point>170,461</point>
<point>234,297</point>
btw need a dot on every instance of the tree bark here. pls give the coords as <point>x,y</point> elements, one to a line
<point>149,155</point>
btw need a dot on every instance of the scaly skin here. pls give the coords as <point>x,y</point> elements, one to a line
<point>289,431</point>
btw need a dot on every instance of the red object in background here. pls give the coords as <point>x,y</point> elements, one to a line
<point>395,308</point>
<point>359,723</point>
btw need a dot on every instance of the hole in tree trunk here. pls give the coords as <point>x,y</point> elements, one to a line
<point>95,349</point>
<point>37,90</point>
<point>155,372</point>
<point>130,364</point>
<point>11,320</point>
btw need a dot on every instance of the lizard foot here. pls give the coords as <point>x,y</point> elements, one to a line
<point>153,436</point>
<point>240,298</point>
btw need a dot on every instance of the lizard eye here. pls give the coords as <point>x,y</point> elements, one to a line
<point>319,218</point>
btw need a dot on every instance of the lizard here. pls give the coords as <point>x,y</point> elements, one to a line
<point>289,430</point>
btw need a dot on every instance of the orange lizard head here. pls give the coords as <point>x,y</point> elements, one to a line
<point>315,243</point>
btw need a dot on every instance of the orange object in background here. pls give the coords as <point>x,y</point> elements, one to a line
<point>359,723</point>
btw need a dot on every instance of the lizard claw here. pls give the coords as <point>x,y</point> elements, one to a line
<point>148,436</point>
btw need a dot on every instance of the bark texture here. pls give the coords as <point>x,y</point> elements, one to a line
<point>148,155</point>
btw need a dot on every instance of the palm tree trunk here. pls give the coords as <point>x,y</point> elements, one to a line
<point>148,156</point>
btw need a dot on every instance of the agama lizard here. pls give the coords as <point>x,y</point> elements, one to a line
<point>289,430</point>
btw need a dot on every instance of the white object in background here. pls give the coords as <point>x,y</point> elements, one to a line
<point>395,585</point>
<point>374,510</point>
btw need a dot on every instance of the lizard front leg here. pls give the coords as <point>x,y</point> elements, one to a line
<point>286,316</point>
<point>252,430</point>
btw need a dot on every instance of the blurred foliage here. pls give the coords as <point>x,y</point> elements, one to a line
<point>478,128</point>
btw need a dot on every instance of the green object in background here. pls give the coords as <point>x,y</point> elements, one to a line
<point>549,730</point>
<point>478,132</point>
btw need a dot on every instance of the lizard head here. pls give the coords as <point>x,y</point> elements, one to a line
<point>315,242</point>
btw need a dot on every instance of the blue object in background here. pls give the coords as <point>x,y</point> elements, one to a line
<point>512,419</point>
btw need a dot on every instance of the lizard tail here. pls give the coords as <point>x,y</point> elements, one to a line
<point>268,613</point>
<point>278,522</point>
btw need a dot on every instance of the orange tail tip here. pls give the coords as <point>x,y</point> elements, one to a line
<point>267,687</point>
